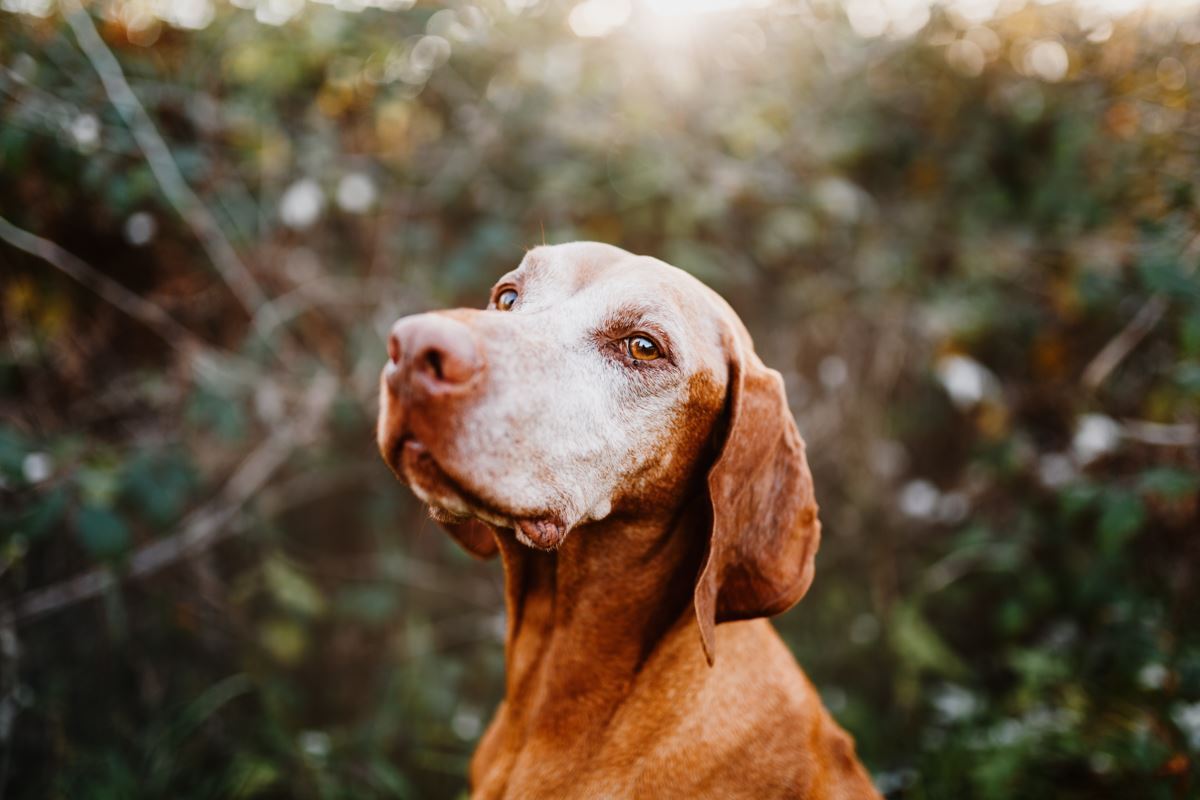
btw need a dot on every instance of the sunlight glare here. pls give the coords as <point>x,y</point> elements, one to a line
<point>598,17</point>
<point>676,8</point>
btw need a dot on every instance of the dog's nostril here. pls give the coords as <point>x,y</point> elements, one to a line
<point>393,348</point>
<point>434,359</point>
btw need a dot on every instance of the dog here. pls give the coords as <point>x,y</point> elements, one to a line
<point>605,426</point>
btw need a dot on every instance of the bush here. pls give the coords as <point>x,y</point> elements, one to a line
<point>970,249</point>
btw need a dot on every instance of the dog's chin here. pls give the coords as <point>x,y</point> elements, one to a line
<point>452,502</point>
<point>544,533</point>
<point>448,499</point>
<point>445,516</point>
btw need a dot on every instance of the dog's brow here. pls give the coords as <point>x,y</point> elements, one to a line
<point>634,314</point>
<point>532,262</point>
<point>646,317</point>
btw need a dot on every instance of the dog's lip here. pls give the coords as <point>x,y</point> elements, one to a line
<point>413,458</point>
<point>414,461</point>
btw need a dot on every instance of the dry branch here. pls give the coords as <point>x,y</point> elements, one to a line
<point>162,164</point>
<point>204,356</point>
<point>201,529</point>
<point>1121,345</point>
<point>1102,365</point>
<point>136,306</point>
<point>1160,434</point>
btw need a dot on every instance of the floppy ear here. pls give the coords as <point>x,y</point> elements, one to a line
<point>765,529</point>
<point>476,537</point>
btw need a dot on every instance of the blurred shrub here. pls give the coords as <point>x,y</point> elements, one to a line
<point>969,246</point>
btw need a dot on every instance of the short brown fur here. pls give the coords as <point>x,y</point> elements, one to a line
<point>637,661</point>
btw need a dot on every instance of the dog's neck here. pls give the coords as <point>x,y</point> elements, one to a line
<point>584,619</point>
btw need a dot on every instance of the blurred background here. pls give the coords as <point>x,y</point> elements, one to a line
<point>966,233</point>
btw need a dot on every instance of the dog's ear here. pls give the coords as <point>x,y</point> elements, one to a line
<point>476,537</point>
<point>765,530</point>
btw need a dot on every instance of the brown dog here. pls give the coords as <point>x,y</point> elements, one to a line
<point>606,426</point>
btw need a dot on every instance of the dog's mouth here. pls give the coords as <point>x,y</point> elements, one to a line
<point>412,460</point>
<point>451,500</point>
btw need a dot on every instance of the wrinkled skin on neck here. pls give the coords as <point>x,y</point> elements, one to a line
<point>602,592</point>
<point>608,694</point>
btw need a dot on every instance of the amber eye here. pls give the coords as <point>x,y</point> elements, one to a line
<point>506,299</point>
<point>643,348</point>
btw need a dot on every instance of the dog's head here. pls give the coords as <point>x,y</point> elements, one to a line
<point>597,383</point>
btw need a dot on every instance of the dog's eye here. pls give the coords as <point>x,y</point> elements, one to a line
<point>642,348</point>
<point>506,299</point>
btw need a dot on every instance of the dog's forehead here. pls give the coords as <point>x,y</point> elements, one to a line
<point>573,265</point>
<point>609,278</point>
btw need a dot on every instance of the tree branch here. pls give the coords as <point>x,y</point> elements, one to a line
<point>1121,345</point>
<point>201,529</point>
<point>204,356</point>
<point>149,314</point>
<point>176,189</point>
<point>1102,365</point>
<point>1160,434</point>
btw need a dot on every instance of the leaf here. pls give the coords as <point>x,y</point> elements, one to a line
<point>1077,498</point>
<point>251,777</point>
<point>169,743</point>
<point>98,484</point>
<point>1121,516</point>
<point>12,452</point>
<point>1040,667</point>
<point>1189,335</point>
<point>158,484</point>
<point>1169,483</point>
<point>44,512</point>
<point>284,639</point>
<point>391,779</point>
<point>209,410</point>
<point>293,590</point>
<point>211,700</point>
<point>371,604</point>
<point>102,532</point>
<point>917,643</point>
<point>1188,376</point>
<point>1169,277</point>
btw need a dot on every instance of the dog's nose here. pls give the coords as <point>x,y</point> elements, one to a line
<point>434,349</point>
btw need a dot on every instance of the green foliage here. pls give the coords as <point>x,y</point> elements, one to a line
<point>102,532</point>
<point>933,238</point>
